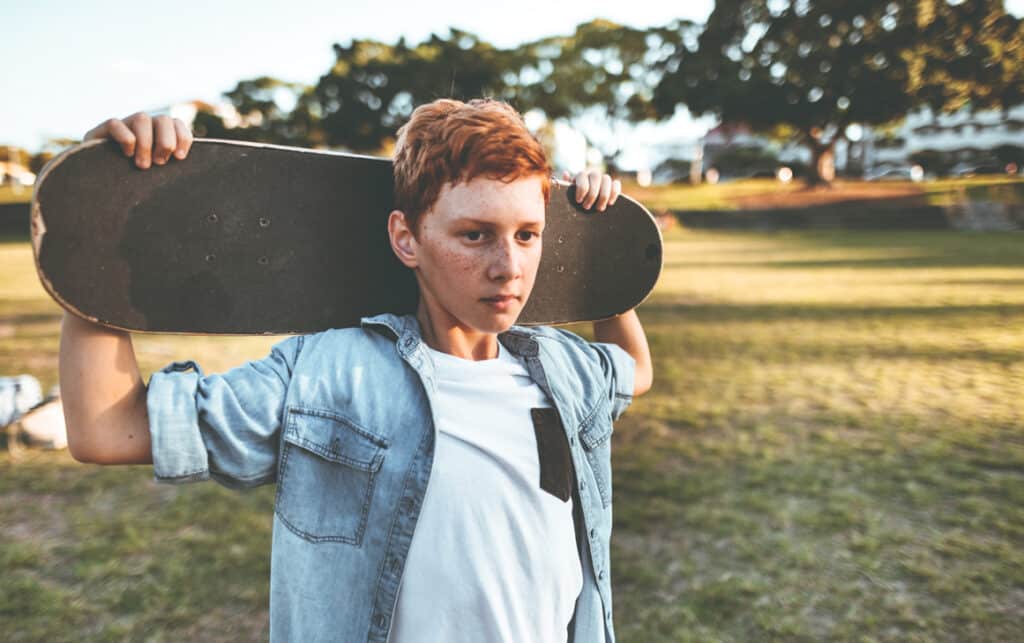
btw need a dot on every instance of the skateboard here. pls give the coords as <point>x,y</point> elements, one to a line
<point>245,238</point>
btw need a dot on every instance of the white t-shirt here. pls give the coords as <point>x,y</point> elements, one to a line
<point>493,557</point>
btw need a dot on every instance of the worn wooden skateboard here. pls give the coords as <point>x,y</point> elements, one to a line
<point>243,238</point>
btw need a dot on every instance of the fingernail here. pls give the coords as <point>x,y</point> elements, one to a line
<point>180,154</point>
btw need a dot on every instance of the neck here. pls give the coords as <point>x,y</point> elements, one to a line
<point>444,333</point>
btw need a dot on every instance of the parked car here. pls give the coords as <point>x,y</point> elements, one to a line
<point>971,169</point>
<point>895,173</point>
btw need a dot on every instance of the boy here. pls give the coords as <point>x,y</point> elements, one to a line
<point>352,424</point>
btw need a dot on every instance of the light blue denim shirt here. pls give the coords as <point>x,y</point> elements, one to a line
<point>341,420</point>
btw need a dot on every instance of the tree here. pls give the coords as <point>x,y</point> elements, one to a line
<point>816,66</point>
<point>602,72</point>
<point>265,105</point>
<point>373,87</point>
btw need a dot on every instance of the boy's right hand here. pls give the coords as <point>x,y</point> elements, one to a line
<point>146,138</point>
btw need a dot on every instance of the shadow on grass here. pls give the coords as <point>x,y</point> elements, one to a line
<point>877,249</point>
<point>33,318</point>
<point>922,261</point>
<point>663,311</point>
<point>772,529</point>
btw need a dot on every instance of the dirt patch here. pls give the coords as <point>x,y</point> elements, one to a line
<point>33,518</point>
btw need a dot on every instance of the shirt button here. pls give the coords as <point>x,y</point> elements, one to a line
<point>583,484</point>
<point>381,620</point>
<point>572,440</point>
<point>600,575</point>
<point>410,342</point>
<point>593,533</point>
<point>394,564</point>
<point>608,615</point>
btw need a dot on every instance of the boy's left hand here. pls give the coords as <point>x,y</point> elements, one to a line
<point>593,187</point>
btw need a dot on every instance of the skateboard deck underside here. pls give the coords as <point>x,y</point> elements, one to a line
<point>255,239</point>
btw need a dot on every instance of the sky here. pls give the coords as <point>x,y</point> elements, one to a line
<point>70,65</point>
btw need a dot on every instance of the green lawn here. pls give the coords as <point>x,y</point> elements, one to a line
<point>12,194</point>
<point>756,193</point>
<point>833,450</point>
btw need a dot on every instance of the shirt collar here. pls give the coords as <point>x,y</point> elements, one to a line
<point>405,330</point>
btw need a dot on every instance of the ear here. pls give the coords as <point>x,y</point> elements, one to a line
<point>403,243</point>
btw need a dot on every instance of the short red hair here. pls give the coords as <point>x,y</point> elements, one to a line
<point>449,141</point>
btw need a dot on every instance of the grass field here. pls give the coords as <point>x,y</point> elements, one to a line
<point>769,193</point>
<point>12,194</point>
<point>833,450</point>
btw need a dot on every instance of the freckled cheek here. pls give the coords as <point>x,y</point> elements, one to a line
<point>458,261</point>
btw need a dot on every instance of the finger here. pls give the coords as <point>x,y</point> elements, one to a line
<point>142,126</point>
<point>123,136</point>
<point>616,191</point>
<point>605,194</point>
<point>595,189</point>
<point>582,186</point>
<point>116,131</point>
<point>100,131</point>
<point>184,138</point>
<point>164,139</point>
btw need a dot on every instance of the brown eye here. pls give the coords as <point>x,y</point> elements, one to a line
<point>527,235</point>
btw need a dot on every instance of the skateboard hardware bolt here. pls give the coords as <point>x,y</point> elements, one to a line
<point>264,222</point>
<point>561,238</point>
<point>212,217</point>
<point>210,258</point>
<point>560,268</point>
<point>263,261</point>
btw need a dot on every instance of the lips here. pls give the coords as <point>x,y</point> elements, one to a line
<point>501,298</point>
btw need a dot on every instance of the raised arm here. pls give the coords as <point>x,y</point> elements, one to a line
<point>102,392</point>
<point>626,331</point>
<point>595,189</point>
<point>103,395</point>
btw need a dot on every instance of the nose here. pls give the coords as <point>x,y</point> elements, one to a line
<point>506,261</point>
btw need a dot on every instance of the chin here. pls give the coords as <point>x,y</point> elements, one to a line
<point>496,322</point>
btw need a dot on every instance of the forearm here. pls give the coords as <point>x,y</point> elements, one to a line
<point>103,394</point>
<point>626,331</point>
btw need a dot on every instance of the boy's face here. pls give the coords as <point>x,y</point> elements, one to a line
<point>477,251</point>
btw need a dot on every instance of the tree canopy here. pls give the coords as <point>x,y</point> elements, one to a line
<point>814,67</point>
<point>803,68</point>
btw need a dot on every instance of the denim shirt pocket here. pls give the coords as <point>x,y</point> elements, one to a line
<point>595,435</point>
<point>326,476</point>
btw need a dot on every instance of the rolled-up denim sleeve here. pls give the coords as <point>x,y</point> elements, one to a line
<point>220,426</point>
<point>619,369</point>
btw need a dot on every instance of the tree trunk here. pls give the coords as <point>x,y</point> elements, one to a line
<point>823,165</point>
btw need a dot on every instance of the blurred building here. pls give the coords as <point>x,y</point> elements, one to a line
<point>737,151</point>
<point>955,143</point>
<point>948,140</point>
<point>12,173</point>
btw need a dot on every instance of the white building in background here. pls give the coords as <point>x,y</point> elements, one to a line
<point>187,110</point>
<point>962,135</point>
<point>16,174</point>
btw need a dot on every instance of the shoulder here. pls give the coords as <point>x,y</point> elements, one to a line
<point>335,342</point>
<point>565,345</point>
